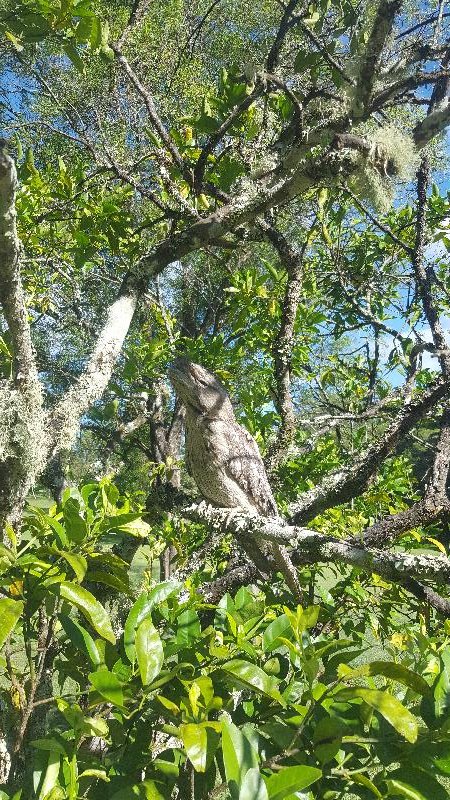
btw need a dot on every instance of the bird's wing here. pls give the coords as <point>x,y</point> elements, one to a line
<point>245,466</point>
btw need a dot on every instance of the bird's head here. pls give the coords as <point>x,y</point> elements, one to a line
<point>199,389</point>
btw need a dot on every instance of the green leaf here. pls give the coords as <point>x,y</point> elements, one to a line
<point>51,775</point>
<point>72,52</point>
<point>253,786</point>
<point>188,628</point>
<point>414,784</point>
<point>61,535</point>
<point>76,528</point>
<point>145,790</point>
<point>141,609</point>
<point>238,757</point>
<point>108,685</point>
<point>200,742</point>
<point>363,780</point>
<point>274,630</point>
<point>84,29</point>
<point>388,706</point>
<point>108,579</point>
<point>96,34</point>
<point>442,686</point>
<point>10,611</point>
<point>396,672</point>
<point>311,21</point>
<point>15,41</point>
<point>88,605</point>
<point>77,562</point>
<point>131,523</point>
<point>50,744</point>
<point>81,638</point>
<point>100,774</point>
<point>327,738</point>
<point>149,651</point>
<point>252,677</point>
<point>291,779</point>
<point>95,726</point>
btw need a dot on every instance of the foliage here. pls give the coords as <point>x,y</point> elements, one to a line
<point>266,698</point>
<point>118,680</point>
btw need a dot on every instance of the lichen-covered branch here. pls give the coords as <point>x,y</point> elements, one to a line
<point>431,126</point>
<point>64,419</point>
<point>12,299</point>
<point>292,260</point>
<point>312,547</point>
<point>348,481</point>
<point>22,443</point>
<point>381,29</point>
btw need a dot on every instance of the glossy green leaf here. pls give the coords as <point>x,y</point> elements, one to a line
<point>81,638</point>
<point>188,628</point>
<point>141,609</point>
<point>200,741</point>
<point>144,790</point>
<point>72,52</point>
<point>253,786</point>
<point>388,706</point>
<point>362,780</point>
<point>131,523</point>
<point>51,775</point>
<point>389,669</point>
<point>441,689</point>
<point>108,685</point>
<point>278,627</point>
<point>89,607</point>
<point>251,676</point>
<point>108,579</point>
<point>10,611</point>
<point>149,651</point>
<point>50,744</point>
<point>414,784</point>
<point>238,757</point>
<point>75,525</point>
<point>100,774</point>
<point>290,779</point>
<point>77,562</point>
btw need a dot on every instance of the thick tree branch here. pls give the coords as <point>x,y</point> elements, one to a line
<point>347,482</point>
<point>435,501</point>
<point>285,25</point>
<point>64,418</point>
<point>381,29</point>
<point>12,299</point>
<point>424,272</point>
<point>292,260</point>
<point>23,441</point>
<point>431,126</point>
<point>312,547</point>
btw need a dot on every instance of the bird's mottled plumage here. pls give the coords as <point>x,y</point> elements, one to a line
<point>222,456</point>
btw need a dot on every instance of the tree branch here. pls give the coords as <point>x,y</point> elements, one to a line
<point>347,482</point>
<point>431,126</point>
<point>292,260</point>
<point>381,29</point>
<point>12,297</point>
<point>435,501</point>
<point>64,418</point>
<point>311,547</point>
<point>151,108</point>
<point>285,25</point>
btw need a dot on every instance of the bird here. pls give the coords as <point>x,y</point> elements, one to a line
<point>221,455</point>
